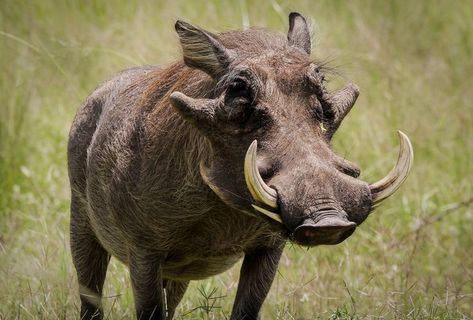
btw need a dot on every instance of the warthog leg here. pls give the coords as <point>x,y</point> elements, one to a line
<point>174,292</point>
<point>256,276</point>
<point>90,261</point>
<point>147,284</point>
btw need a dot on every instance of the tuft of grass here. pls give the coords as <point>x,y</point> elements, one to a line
<point>412,60</point>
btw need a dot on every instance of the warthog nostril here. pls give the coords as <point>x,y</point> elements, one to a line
<point>329,230</point>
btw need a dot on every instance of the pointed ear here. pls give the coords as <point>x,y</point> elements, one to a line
<point>298,34</point>
<point>202,50</point>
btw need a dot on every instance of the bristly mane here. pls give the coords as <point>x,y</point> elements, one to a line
<point>253,40</point>
<point>178,77</point>
<point>197,84</point>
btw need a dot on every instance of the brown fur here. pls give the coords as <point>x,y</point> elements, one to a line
<point>137,192</point>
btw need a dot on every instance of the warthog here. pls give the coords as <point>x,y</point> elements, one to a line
<point>180,171</point>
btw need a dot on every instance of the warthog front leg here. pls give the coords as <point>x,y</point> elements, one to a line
<point>90,260</point>
<point>147,283</point>
<point>256,276</point>
<point>174,292</point>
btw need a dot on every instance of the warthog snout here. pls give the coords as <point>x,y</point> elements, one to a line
<point>348,201</point>
<point>328,229</point>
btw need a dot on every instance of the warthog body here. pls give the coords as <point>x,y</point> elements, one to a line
<point>159,177</point>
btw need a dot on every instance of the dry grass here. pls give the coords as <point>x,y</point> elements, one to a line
<point>413,61</point>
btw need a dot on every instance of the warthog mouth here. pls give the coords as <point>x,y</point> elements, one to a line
<point>332,229</point>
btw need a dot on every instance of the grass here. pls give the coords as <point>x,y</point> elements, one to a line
<point>412,60</point>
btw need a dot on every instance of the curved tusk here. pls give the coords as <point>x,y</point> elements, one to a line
<point>388,185</point>
<point>260,191</point>
<point>268,213</point>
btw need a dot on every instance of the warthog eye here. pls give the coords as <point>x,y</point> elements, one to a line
<point>238,100</point>
<point>321,115</point>
<point>318,112</point>
<point>239,89</point>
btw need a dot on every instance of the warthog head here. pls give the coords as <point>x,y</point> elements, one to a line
<point>269,120</point>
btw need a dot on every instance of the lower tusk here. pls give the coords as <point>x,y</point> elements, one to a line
<point>388,185</point>
<point>268,213</point>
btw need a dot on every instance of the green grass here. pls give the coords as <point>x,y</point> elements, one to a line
<point>413,62</point>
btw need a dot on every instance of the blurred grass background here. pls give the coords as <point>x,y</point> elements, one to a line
<point>413,60</point>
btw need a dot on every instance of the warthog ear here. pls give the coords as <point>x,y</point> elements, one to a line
<point>202,50</point>
<point>298,34</point>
